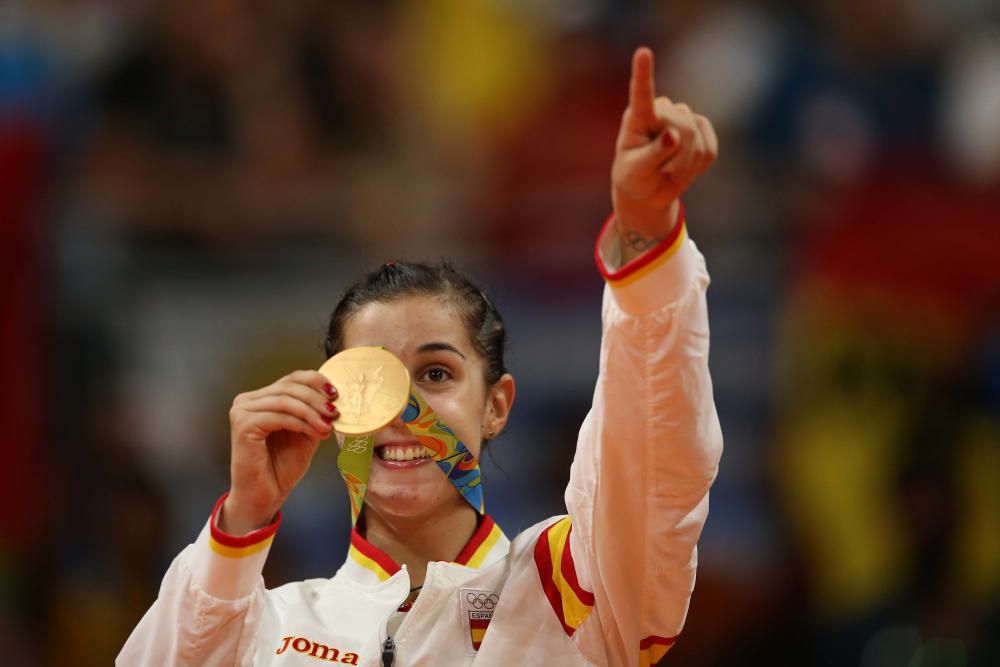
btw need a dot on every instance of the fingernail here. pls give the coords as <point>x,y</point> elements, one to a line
<point>331,408</point>
<point>669,141</point>
<point>328,420</point>
<point>330,389</point>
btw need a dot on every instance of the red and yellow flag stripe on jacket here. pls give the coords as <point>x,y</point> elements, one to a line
<point>231,546</point>
<point>652,648</point>
<point>554,560</point>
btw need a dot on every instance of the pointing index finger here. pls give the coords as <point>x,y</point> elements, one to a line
<point>641,91</point>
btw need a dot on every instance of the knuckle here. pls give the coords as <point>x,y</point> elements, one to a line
<point>288,388</point>
<point>236,408</point>
<point>311,378</point>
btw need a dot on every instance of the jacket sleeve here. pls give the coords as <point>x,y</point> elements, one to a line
<point>209,603</point>
<point>621,567</point>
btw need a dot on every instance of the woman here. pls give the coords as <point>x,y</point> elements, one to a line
<point>429,580</point>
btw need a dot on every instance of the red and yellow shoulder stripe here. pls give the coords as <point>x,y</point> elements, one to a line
<point>554,560</point>
<point>645,263</point>
<point>231,546</point>
<point>653,648</point>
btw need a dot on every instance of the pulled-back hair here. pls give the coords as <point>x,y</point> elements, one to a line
<point>396,280</point>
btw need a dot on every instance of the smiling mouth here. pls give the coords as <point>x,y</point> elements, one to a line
<point>402,452</point>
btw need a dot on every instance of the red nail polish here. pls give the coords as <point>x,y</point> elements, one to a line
<point>329,389</point>
<point>331,407</point>
<point>668,139</point>
<point>328,420</point>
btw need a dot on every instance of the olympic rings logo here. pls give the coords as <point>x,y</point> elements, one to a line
<point>482,600</point>
<point>357,445</point>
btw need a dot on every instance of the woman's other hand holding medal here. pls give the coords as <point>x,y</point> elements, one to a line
<point>275,433</point>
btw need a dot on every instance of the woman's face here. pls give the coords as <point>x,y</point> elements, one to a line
<point>432,342</point>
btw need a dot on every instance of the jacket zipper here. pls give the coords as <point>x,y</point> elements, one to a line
<point>388,645</point>
<point>388,652</point>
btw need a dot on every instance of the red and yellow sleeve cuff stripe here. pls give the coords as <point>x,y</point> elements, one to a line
<point>231,546</point>
<point>653,648</point>
<point>645,263</point>
<point>554,559</point>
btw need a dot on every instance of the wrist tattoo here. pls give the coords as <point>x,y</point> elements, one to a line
<point>638,242</point>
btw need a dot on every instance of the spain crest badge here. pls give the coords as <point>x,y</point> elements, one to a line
<point>477,612</point>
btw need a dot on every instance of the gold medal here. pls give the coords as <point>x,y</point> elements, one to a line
<point>373,387</point>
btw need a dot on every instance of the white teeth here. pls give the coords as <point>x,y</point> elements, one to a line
<point>396,453</point>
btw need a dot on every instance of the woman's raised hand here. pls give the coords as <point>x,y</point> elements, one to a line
<point>662,147</point>
<point>275,433</point>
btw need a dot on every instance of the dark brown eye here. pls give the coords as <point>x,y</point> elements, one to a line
<point>435,375</point>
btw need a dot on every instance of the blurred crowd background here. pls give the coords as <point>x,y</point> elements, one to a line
<point>187,187</point>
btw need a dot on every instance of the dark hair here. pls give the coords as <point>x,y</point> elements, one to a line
<point>395,280</point>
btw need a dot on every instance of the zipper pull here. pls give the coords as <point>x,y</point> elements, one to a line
<point>388,652</point>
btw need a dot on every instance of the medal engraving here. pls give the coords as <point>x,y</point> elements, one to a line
<point>373,385</point>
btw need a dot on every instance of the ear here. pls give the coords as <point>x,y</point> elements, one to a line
<point>499,400</point>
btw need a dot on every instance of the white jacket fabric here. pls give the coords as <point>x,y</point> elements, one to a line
<point>609,584</point>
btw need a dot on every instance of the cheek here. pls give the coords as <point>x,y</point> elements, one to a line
<point>461,415</point>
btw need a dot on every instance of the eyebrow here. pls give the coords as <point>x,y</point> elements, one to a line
<point>438,346</point>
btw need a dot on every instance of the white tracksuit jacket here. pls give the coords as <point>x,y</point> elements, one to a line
<point>609,584</point>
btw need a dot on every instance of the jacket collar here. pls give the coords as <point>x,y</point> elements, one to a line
<point>367,563</point>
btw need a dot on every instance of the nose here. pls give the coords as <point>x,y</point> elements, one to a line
<point>398,426</point>
<point>394,430</point>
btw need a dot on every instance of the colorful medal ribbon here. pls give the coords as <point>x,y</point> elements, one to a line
<point>454,459</point>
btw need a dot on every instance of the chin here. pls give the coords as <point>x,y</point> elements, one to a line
<point>405,500</point>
